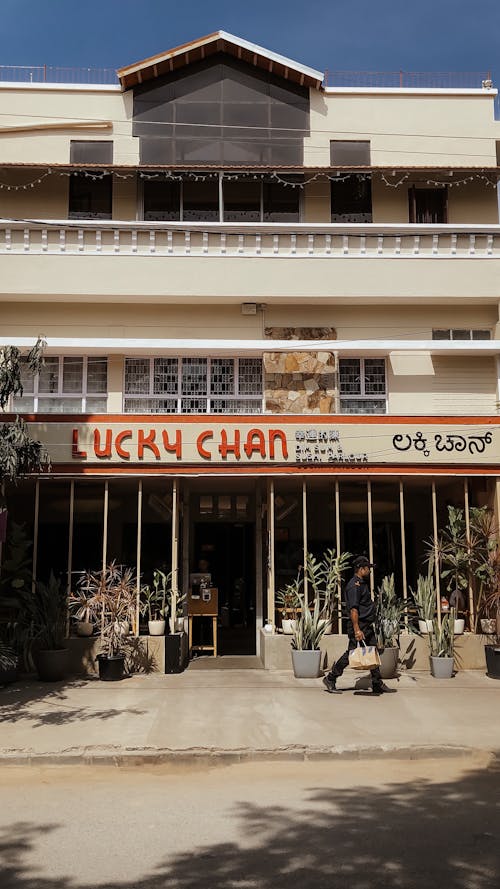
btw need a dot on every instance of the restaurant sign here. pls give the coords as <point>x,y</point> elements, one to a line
<point>270,441</point>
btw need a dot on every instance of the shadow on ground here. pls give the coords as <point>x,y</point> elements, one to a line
<point>402,835</point>
<point>44,704</point>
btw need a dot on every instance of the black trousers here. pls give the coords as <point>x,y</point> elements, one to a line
<point>370,639</point>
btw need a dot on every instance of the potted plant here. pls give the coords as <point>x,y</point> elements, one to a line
<point>176,646</point>
<point>154,602</point>
<point>81,606</point>
<point>46,628</point>
<point>492,649</point>
<point>288,602</point>
<point>112,592</point>
<point>9,659</point>
<point>306,638</point>
<point>442,646</point>
<point>425,602</point>
<point>324,579</point>
<point>389,614</point>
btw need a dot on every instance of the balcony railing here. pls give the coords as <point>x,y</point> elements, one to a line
<point>250,240</point>
<point>50,74</point>
<point>408,79</point>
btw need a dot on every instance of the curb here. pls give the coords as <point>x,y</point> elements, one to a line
<point>209,758</point>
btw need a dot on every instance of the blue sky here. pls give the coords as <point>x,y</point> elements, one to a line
<point>430,35</point>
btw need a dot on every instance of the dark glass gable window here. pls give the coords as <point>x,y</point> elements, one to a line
<point>221,111</point>
<point>90,152</point>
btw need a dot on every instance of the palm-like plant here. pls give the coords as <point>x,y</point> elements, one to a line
<point>309,628</point>
<point>390,610</point>
<point>288,599</point>
<point>112,594</point>
<point>324,578</point>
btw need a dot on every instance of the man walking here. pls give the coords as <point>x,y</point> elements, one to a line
<point>360,616</point>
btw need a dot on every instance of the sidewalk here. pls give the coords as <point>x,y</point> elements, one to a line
<point>238,714</point>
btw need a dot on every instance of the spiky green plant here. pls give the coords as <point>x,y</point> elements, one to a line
<point>310,626</point>
<point>390,610</point>
<point>442,638</point>
<point>425,597</point>
<point>324,579</point>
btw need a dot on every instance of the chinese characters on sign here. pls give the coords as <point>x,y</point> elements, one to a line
<point>323,445</point>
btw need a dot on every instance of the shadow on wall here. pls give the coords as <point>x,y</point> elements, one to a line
<point>399,837</point>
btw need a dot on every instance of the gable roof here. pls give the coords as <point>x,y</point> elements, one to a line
<point>219,41</point>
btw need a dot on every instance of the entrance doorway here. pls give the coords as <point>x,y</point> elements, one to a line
<point>229,550</point>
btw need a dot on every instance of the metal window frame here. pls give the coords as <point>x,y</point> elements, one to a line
<point>74,396</point>
<point>179,396</point>
<point>363,395</point>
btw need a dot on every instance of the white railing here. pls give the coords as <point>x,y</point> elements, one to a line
<point>110,237</point>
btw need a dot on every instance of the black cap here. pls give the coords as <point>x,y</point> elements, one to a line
<point>362,562</point>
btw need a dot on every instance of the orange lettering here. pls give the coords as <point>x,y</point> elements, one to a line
<point>175,448</point>
<point>225,448</point>
<point>147,441</point>
<point>200,442</point>
<point>106,450</point>
<point>258,446</point>
<point>280,435</point>
<point>127,433</point>
<point>75,452</point>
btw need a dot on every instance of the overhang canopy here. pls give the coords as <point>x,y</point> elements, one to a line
<point>219,41</point>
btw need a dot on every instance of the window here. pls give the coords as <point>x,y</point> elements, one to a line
<point>461,333</point>
<point>70,385</point>
<point>244,200</point>
<point>351,199</point>
<point>362,386</point>
<point>428,206</point>
<point>221,111</point>
<point>350,154</point>
<point>193,385</point>
<point>90,152</point>
<point>90,198</point>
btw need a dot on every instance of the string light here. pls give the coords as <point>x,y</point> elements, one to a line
<point>196,176</point>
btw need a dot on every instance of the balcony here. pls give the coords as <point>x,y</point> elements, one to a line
<point>369,260</point>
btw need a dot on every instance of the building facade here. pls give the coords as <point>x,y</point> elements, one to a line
<point>271,310</point>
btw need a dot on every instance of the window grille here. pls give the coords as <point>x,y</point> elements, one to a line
<point>194,385</point>
<point>362,385</point>
<point>64,385</point>
<point>459,333</point>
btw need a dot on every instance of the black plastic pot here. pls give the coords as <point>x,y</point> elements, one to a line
<point>9,674</point>
<point>111,668</point>
<point>52,666</point>
<point>176,653</point>
<point>492,653</point>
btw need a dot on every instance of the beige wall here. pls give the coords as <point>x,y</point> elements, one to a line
<point>406,129</point>
<point>403,128</point>
<point>447,385</point>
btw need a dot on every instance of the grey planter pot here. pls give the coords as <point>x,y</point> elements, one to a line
<point>442,667</point>
<point>306,664</point>
<point>389,662</point>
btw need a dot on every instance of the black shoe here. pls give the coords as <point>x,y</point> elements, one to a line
<point>330,683</point>
<point>380,688</point>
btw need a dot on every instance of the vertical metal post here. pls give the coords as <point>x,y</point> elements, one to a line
<point>370,534</point>
<point>175,553</point>
<point>138,555</point>
<point>35,535</point>
<point>258,564</point>
<point>304,536</point>
<point>472,607</point>
<point>105,525</point>
<point>436,552</point>
<point>221,197</point>
<point>337,544</point>
<point>70,533</point>
<point>403,545</point>
<point>270,554</point>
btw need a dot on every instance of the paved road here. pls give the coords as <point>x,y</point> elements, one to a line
<point>311,825</point>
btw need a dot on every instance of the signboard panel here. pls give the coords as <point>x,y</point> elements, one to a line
<point>265,441</point>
